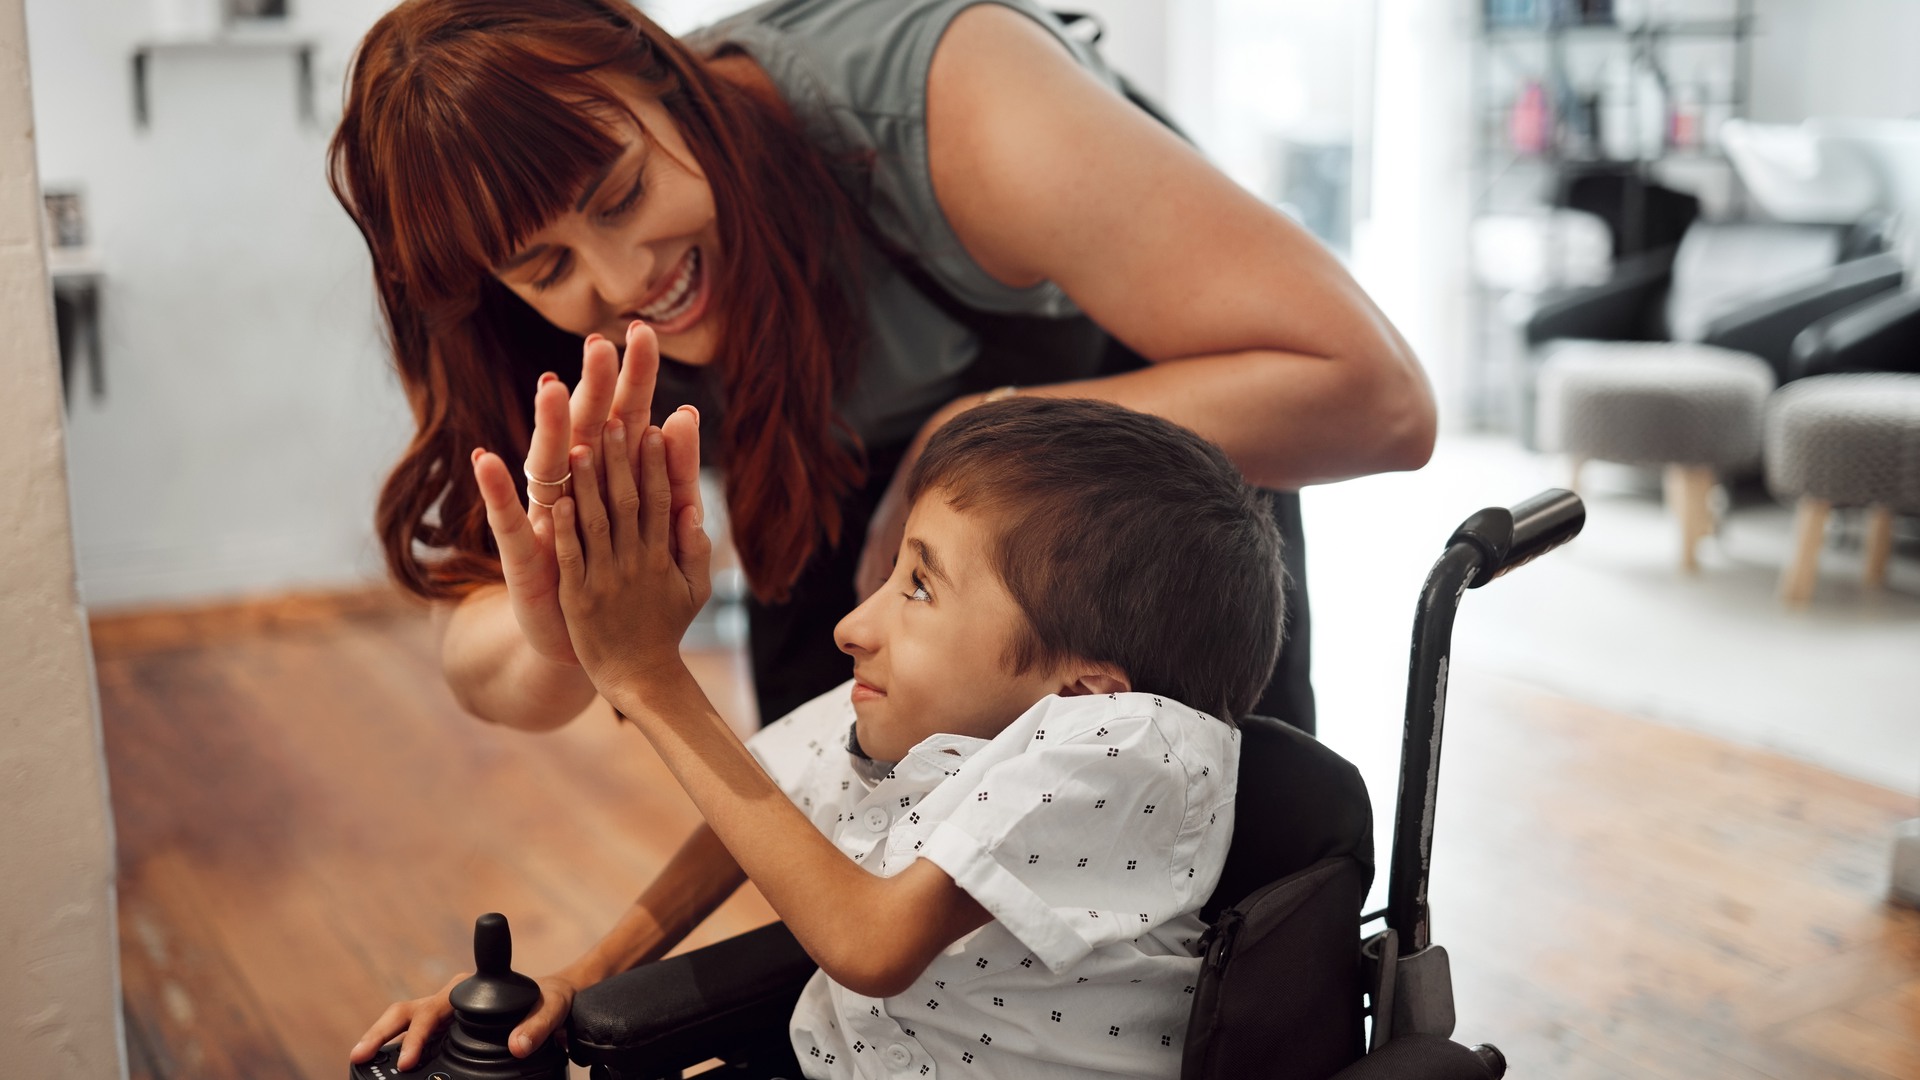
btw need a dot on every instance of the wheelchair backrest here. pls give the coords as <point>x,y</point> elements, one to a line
<point>1298,803</point>
<point>1280,989</point>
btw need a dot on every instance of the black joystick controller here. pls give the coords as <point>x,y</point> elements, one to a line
<point>485,1009</point>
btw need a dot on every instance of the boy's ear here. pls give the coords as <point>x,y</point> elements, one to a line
<point>1096,679</point>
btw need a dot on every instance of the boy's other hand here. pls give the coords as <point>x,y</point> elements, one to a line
<point>634,568</point>
<point>416,1021</point>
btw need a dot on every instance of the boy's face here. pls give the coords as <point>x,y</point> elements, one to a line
<point>928,647</point>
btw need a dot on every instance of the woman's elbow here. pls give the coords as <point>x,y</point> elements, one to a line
<point>1404,414</point>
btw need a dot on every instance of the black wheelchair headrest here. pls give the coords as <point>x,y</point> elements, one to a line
<point>1298,803</point>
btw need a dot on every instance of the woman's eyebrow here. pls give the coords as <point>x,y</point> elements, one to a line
<point>593,186</point>
<point>521,259</point>
<point>928,559</point>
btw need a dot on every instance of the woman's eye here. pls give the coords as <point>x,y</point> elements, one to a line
<point>627,203</point>
<point>919,588</point>
<point>554,275</point>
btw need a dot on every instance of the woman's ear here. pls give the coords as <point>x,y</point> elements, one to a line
<point>1096,679</point>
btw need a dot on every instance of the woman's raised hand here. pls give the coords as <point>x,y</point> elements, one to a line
<point>524,534</point>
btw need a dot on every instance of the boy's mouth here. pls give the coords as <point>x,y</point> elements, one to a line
<point>865,692</point>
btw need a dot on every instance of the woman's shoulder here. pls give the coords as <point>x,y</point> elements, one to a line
<point>856,74</point>
<point>873,55</point>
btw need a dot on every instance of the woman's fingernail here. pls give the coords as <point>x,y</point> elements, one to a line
<point>474,458</point>
<point>615,429</point>
<point>548,377</point>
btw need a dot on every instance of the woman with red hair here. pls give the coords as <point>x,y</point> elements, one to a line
<point>845,221</point>
<point>842,222</point>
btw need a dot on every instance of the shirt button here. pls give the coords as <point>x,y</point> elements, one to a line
<point>877,819</point>
<point>899,1056</point>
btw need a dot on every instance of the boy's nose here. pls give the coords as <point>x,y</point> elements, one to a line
<point>855,633</point>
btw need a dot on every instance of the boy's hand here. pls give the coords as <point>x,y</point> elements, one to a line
<point>418,1020</point>
<point>632,573</point>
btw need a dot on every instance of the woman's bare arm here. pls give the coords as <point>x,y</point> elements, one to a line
<point>1270,348</point>
<point>496,675</point>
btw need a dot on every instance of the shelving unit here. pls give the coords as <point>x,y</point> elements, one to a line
<point>1636,99</point>
<point>231,42</point>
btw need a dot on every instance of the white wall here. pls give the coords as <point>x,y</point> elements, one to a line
<point>59,991</point>
<point>1836,58</point>
<point>249,414</point>
<point>1410,253</point>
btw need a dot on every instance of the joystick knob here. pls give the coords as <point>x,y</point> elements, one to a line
<point>486,1007</point>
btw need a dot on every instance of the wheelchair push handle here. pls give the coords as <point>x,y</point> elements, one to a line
<point>1509,538</point>
<point>1485,546</point>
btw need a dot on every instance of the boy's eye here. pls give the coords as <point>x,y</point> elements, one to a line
<point>919,588</point>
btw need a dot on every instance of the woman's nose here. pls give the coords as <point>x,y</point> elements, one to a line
<point>621,279</point>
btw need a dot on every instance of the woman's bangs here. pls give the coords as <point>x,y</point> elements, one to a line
<point>486,158</point>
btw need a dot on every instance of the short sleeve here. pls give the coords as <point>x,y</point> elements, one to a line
<point>1094,834</point>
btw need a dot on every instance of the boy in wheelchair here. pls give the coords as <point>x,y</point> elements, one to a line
<point>996,840</point>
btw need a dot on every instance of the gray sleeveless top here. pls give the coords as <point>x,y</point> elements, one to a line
<point>855,74</point>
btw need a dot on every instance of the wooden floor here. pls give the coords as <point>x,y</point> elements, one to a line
<point>308,826</point>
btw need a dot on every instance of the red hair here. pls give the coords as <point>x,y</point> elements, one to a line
<point>469,125</point>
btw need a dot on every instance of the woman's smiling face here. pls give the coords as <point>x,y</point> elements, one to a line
<point>640,241</point>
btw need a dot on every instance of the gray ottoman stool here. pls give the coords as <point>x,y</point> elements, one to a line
<point>1695,409</point>
<point>1844,440</point>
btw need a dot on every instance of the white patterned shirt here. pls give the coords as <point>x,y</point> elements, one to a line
<point>1092,828</point>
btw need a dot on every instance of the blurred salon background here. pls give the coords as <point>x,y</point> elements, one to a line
<point>1658,250</point>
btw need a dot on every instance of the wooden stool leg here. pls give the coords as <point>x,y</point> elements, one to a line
<point>1810,532</point>
<point>1574,467</point>
<point>1879,545</point>
<point>1689,492</point>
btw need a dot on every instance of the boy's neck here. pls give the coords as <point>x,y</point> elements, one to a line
<point>870,771</point>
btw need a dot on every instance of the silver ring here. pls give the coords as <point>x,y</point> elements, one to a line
<point>537,502</point>
<point>532,479</point>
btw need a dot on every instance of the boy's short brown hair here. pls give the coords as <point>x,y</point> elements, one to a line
<point>1125,539</point>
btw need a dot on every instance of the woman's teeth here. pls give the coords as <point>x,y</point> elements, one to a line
<point>679,297</point>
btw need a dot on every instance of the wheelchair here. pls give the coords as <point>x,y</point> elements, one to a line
<point>1289,989</point>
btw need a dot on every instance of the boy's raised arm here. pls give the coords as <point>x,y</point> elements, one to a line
<point>870,934</point>
<point>628,592</point>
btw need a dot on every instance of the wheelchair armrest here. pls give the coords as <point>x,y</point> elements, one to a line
<point>1619,310</point>
<point>1427,1057</point>
<point>1881,334</point>
<point>686,1009</point>
<point>1766,326</point>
